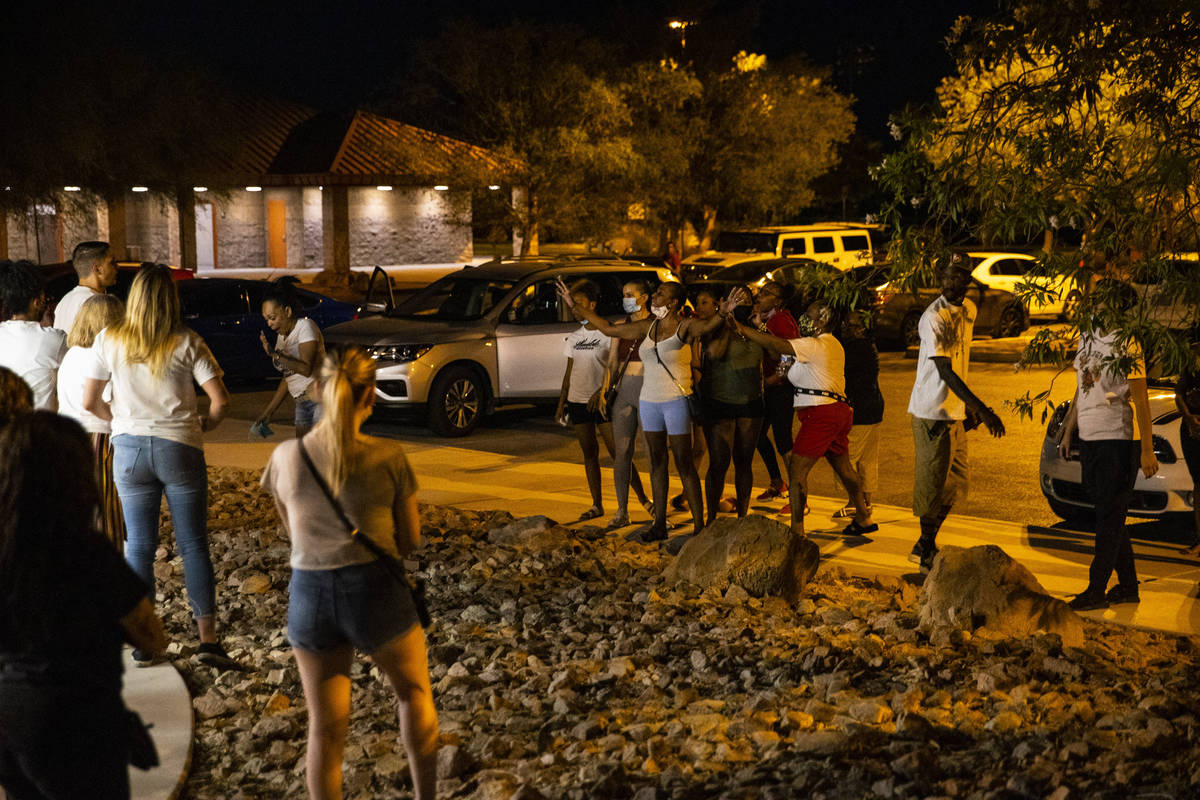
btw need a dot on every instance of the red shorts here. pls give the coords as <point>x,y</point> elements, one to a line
<point>824,430</point>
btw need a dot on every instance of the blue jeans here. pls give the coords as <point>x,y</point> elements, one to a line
<point>144,467</point>
<point>308,413</point>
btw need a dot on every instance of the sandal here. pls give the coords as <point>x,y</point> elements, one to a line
<point>854,529</point>
<point>647,534</point>
<point>619,521</point>
<point>648,505</point>
<point>591,513</point>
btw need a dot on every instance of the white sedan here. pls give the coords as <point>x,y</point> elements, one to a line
<point>1169,492</point>
<point>1006,270</point>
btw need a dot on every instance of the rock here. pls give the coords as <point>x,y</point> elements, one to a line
<point>255,583</point>
<point>278,703</point>
<point>1004,722</point>
<point>533,533</point>
<point>211,705</point>
<point>820,743</point>
<point>982,586</point>
<point>759,554</point>
<point>452,761</point>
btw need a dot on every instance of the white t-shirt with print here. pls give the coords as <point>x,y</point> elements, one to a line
<point>70,390</point>
<point>946,331</point>
<point>34,353</point>
<point>305,330</point>
<point>68,307</point>
<point>1105,410</point>
<point>820,364</point>
<point>145,404</point>
<point>589,349</point>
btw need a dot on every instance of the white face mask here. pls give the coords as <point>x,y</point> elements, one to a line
<point>658,311</point>
<point>630,304</point>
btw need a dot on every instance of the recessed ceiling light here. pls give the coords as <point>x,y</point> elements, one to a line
<point>141,188</point>
<point>253,188</point>
<point>441,187</point>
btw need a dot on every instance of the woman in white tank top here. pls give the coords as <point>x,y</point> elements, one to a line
<point>667,381</point>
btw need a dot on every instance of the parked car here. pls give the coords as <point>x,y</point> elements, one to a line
<point>1169,492</point>
<point>1006,270</point>
<point>1163,304</point>
<point>480,337</point>
<point>61,278</point>
<point>842,244</point>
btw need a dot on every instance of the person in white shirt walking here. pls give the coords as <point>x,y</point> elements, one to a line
<point>297,353</point>
<point>95,315</point>
<point>93,263</point>
<point>1109,400</point>
<point>26,347</point>
<point>939,405</point>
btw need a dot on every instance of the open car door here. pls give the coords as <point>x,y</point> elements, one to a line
<point>380,298</point>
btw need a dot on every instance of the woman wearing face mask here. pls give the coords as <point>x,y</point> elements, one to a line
<point>298,350</point>
<point>624,375</point>
<point>732,392</point>
<point>666,384</point>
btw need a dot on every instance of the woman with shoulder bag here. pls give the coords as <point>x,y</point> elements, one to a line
<point>343,596</point>
<point>622,387</point>
<point>663,406</point>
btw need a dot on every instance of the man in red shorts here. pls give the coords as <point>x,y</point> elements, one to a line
<point>818,379</point>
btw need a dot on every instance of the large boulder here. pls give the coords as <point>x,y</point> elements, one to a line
<point>983,587</point>
<point>759,554</point>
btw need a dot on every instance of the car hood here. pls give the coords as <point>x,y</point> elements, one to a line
<point>381,330</point>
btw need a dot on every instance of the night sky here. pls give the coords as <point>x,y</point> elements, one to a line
<point>332,55</point>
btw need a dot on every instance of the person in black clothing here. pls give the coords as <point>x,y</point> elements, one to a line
<point>1187,400</point>
<point>862,391</point>
<point>67,600</point>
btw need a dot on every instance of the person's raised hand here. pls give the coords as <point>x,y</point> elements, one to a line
<point>563,291</point>
<point>733,300</point>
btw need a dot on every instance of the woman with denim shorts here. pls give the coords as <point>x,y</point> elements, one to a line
<point>297,353</point>
<point>342,597</point>
<point>152,362</point>
<point>666,356</point>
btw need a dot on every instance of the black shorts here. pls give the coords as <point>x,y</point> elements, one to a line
<point>578,414</point>
<point>715,409</point>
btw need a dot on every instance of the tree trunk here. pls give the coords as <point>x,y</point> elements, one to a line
<point>1047,240</point>
<point>709,229</point>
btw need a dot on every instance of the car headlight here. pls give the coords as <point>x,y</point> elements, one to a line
<point>398,353</point>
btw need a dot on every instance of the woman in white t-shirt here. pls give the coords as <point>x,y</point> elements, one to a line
<point>26,347</point>
<point>586,349</point>
<point>818,378</point>
<point>94,315</point>
<point>297,353</point>
<point>157,437</point>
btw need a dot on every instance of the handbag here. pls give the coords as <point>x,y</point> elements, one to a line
<point>695,403</point>
<point>610,397</point>
<point>142,752</point>
<point>415,588</point>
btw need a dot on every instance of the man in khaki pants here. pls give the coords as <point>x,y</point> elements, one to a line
<point>939,405</point>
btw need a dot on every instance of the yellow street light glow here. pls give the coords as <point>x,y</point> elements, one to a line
<point>441,187</point>
<point>494,188</point>
<point>71,189</point>
<point>384,188</point>
<point>141,188</point>
<point>199,188</point>
<point>253,188</point>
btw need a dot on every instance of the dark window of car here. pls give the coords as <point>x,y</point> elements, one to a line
<point>455,298</point>
<point>793,247</point>
<point>536,304</point>
<point>745,273</point>
<point>823,244</point>
<point>743,242</point>
<point>854,244</point>
<point>1010,267</point>
<point>213,297</point>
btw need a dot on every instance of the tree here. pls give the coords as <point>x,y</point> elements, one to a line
<point>744,144</point>
<point>1081,114</point>
<point>535,95</point>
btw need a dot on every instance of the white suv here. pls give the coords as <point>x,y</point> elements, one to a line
<point>845,245</point>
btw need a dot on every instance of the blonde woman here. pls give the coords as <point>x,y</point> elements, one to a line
<point>153,363</point>
<point>342,597</point>
<point>94,315</point>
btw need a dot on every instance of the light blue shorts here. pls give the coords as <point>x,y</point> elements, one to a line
<point>671,416</point>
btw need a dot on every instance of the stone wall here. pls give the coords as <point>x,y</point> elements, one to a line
<point>311,213</point>
<point>77,218</point>
<point>241,223</point>
<point>148,227</point>
<point>409,226</point>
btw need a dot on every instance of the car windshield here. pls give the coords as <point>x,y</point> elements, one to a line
<point>744,273</point>
<point>736,242</point>
<point>455,297</point>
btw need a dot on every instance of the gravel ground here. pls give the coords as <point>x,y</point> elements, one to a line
<point>564,667</point>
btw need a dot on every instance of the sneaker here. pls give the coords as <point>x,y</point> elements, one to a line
<point>787,510</point>
<point>927,561</point>
<point>1119,594</point>
<point>143,658</point>
<point>848,512</point>
<point>1088,601</point>
<point>211,654</point>
<point>923,556</point>
<point>775,490</point>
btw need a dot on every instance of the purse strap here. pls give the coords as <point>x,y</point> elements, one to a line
<point>663,363</point>
<point>625,363</point>
<point>354,532</point>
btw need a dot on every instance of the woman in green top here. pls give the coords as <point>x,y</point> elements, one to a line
<point>731,385</point>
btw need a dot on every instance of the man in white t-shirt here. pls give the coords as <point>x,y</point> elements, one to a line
<point>1110,396</point>
<point>939,405</point>
<point>586,349</point>
<point>93,262</point>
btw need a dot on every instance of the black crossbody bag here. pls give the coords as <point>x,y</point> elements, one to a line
<point>393,566</point>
